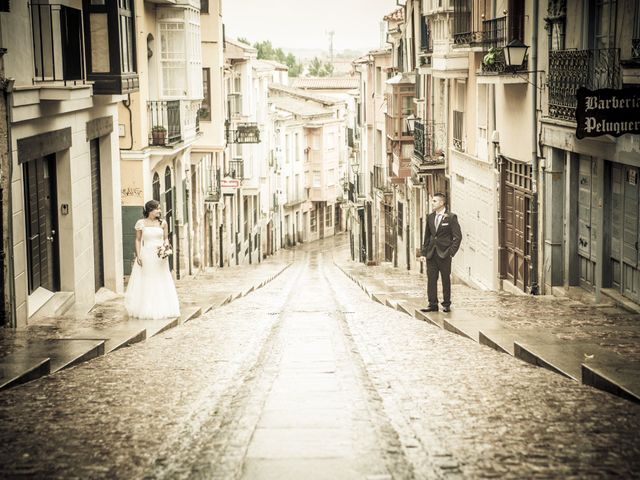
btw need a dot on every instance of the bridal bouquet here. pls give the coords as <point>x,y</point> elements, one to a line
<point>164,251</point>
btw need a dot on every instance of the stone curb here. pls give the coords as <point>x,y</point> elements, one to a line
<point>24,366</point>
<point>610,373</point>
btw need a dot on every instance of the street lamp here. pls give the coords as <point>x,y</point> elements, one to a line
<point>355,168</point>
<point>411,122</point>
<point>514,54</point>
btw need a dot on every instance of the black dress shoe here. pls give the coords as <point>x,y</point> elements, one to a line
<point>429,309</point>
<point>446,309</point>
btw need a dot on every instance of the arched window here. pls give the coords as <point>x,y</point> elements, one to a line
<point>156,186</point>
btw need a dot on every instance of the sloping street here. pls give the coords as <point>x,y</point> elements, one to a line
<point>308,377</point>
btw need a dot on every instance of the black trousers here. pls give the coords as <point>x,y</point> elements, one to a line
<point>442,267</point>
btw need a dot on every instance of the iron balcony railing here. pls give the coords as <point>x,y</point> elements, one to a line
<point>58,44</point>
<point>572,69</point>
<point>235,169</point>
<point>429,140</point>
<point>496,33</point>
<point>243,133</point>
<point>164,122</point>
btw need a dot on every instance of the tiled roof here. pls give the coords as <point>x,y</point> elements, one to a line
<point>299,107</point>
<point>326,83</point>
<point>304,94</point>
<point>396,15</point>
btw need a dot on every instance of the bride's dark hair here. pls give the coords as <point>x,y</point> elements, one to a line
<point>149,207</point>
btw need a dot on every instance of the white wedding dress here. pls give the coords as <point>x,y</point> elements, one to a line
<point>151,293</point>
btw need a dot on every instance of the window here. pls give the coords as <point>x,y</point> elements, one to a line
<point>180,55</point>
<point>156,186</point>
<point>332,177</point>
<point>287,148</point>
<point>328,216</point>
<point>296,146</point>
<point>125,17</point>
<point>314,220</point>
<point>317,179</point>
<point>173,59</point>
<point>297,186</point>
<point>205,108</point>
<point>204,6</point>
<point>331,141</point>
<point>400,218</point>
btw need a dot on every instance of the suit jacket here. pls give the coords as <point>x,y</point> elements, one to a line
<point>445,241</point>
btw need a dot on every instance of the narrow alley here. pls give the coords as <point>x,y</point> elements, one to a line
<point>308,377</point>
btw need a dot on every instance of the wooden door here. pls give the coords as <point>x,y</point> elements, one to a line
<point>41,223</point>
<point>389,233</point>
<point>96,200</point>
<point>631,234</point>
<point>587,224</point>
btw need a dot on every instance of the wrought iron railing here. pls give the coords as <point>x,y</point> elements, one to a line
<point>458,131</point>
<point>461,21</point>
<point>164,122</point>
<point>572,69</point>
<point>243,133</point>
<point>496,33</point>
<point>429,141</point>
<point>58,44</point>
<point>235,169</point>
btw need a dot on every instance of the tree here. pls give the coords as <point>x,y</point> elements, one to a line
<point>316,68</point>
<point>319,69</point>
<point>267,52</point>
<point>244,40</point>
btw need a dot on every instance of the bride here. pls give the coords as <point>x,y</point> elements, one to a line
<point>151,293</point>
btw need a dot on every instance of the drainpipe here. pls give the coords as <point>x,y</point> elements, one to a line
<point>7,89</point>
<point>176,223</point>
<point>534,153</point>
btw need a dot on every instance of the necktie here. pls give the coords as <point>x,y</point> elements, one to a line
<point>438,220</point>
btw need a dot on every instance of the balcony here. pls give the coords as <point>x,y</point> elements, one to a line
<point>235,169</point>
<point>397,129</point>
<point>572,69</point>
<point>380,179</point>
<point>58,52</point>
<point>429,141</point>
<point>462,34</point>
<point>496,33</point>
<point>164,122</point>
<point>243,133</point>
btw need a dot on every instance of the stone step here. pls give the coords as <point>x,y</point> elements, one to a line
<point>18,369</point>
<point>615,376</point>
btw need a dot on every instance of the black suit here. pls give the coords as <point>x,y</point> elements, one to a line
<point>439,246</point>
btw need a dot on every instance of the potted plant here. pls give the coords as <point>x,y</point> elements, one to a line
<point>490,58</point>
<point>159,135</point>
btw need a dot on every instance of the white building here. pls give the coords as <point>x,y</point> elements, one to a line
<point>64,166</point>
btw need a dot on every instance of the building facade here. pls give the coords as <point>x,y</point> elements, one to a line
<point>69,74</point>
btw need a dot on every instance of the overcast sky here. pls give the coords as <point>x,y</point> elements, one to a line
<point>304,23</point>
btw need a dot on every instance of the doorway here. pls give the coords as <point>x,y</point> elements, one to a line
<point>96,203</point>
<point>41,223</point>
<point>625,231</point>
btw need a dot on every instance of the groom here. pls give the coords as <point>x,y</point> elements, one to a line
<point>442,237</point>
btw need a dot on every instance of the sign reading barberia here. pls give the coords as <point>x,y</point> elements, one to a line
<point>607,112</point>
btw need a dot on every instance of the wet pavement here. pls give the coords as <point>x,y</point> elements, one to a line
<point>309,377</point>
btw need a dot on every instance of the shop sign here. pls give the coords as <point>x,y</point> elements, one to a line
<point>607,112</point>
<point>229,183</point>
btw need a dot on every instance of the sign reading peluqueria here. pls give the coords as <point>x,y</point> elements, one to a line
<point>607,112</point>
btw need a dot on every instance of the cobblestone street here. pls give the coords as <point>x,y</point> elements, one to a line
<point>308,377</point>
